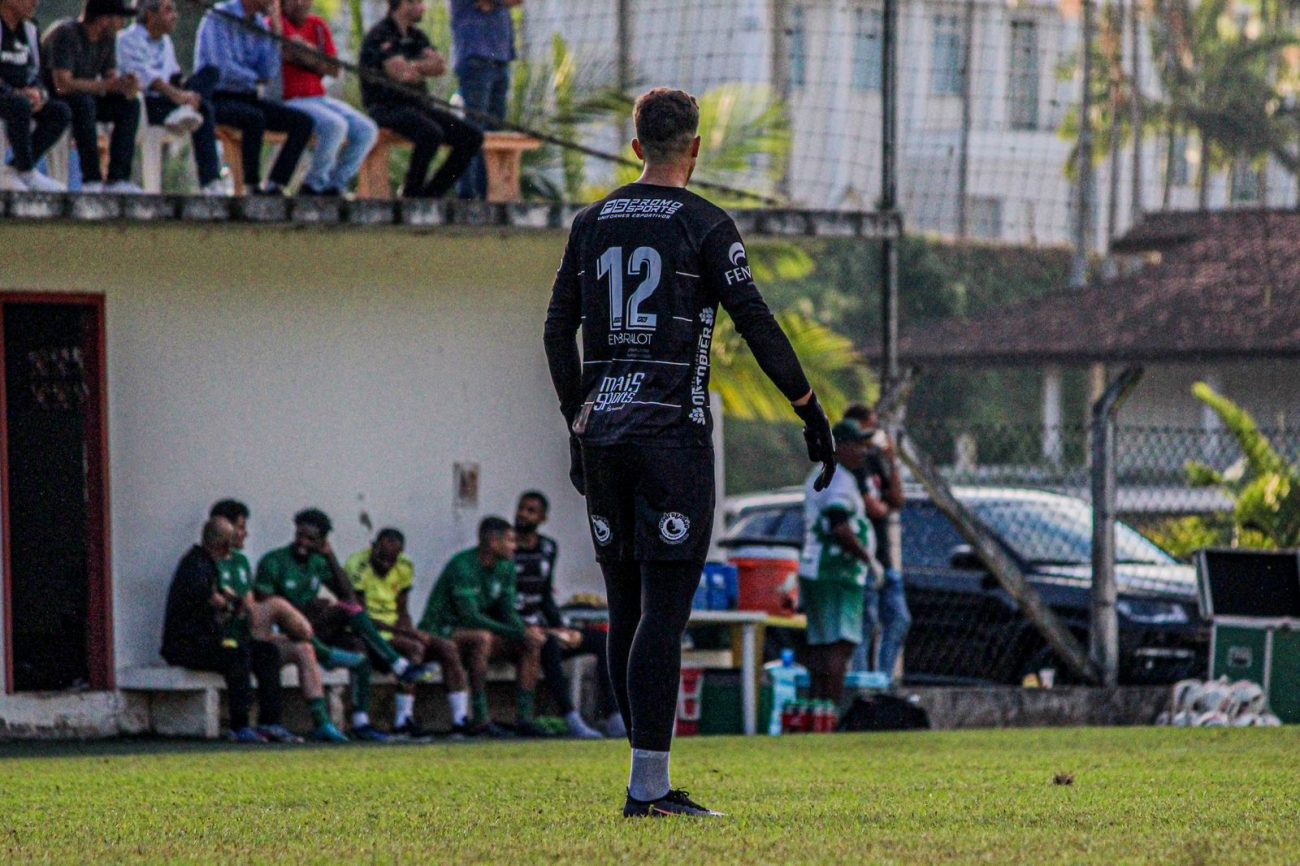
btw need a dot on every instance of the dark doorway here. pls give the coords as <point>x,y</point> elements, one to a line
<point>56,611</point>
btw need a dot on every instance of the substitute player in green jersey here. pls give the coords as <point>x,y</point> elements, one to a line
<point>837,560</point>
<point>476,593</point>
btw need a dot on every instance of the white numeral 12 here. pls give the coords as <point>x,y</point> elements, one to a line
<point>611,264</point>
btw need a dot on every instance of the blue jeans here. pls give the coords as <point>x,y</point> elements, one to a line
<point>484,85</point>
<point>886,607</point>
<point>344,137</point>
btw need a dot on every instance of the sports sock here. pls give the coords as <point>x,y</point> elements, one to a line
<point>364,627</point>
<point>524,703</point>
<point>459,702</point>
<point>361,688</point>
<point>405,709</point>
<point>480,707</point>
<point>320,712</point>
<point>649,779</point>
<point>360,719</point>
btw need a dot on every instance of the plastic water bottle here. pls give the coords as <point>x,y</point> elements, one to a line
<point>783,677</point>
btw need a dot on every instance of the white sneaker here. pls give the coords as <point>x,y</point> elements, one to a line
<point>37,182</point>
<point>215,188</point>
<point>579,728</point>
<point>614,727</point>
<point>123,187</point>
<point>10,181</point>
<point>92,186</point>
<point>183,121</point>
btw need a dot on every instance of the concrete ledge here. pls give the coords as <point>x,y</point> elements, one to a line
<point>421,213</point>
<point>63,716</point>
<point>1011,707</point>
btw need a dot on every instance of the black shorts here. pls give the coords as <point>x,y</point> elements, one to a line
<point>649,503</point>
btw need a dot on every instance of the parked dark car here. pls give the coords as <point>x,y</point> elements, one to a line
<point>966,628</point>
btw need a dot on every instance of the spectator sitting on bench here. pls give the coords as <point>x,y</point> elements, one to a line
<point>399,50</point>
<point>535,584</point>
<point>476,591</point>
<point>81,67</point>
<point>145,50</point>
<point>198,632</point>
<point>244,59</point>
<point>344,135</point>
<point>294,641</point>
<point>297,572</point>
<point>24,100</point>
<point>382,576</point>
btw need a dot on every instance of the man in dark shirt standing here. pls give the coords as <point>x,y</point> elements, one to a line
<point>483,36</point>
<point>535,556</point>
<point>81,60</point>
<point>399,50</point>
<point>195,634</point>
<point>23,99</point>
<point>643,274</point>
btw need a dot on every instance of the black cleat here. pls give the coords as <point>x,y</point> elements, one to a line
<point>676,802</point>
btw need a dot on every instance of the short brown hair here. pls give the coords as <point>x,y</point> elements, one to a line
<point>666,121</point>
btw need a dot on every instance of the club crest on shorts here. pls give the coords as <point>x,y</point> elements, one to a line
<point>674,527</point>
<point>600,529</point>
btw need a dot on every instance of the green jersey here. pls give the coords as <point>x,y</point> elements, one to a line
<point>467,595</point>
<point>236,579</point>
<point>822,557</point>
<point>280,573</point>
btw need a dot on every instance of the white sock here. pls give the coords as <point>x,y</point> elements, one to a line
<point>360,720</point>
<point>649,779</point>
<point>399,667</point>
<point>459,707</point>
<point>405,709</point>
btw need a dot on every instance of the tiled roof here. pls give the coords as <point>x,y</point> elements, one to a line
<point>1215,285</point>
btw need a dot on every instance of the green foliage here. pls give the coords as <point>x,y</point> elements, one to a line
<point>1181,537</point>
<point>1264,487</point>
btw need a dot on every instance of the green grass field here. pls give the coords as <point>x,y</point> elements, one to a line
<point>1138,795</point>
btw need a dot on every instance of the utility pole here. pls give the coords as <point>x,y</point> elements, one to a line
<point>967,96</point>
<point>889,193</point>
<point>1083,190</point>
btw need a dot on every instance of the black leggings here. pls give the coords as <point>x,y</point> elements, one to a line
<point>428,129</point>
<point>262,660</point>
<point>649,604</point>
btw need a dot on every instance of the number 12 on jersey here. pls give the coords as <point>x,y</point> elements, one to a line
<point>646,263</point>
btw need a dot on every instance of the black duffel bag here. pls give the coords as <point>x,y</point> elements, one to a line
<point>883,713</point>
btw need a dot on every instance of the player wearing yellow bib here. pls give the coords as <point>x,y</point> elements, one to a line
<point>382,576</point>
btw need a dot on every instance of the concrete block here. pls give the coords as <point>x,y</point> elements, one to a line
<point>316,210</point>
<point>95,206</point>
<point>186,714</point>
<point>881,225</point>
<point>533,216</point>
<point>38,205</point>
<point>835,224</point>
<point>476,213</point>
<point>371,212</point>
<point>785,223</point>
<point>60,715</point>
<point>567,213</point>
<point>1012,707</point>
<point>421,212</point>
<point>746,221</point>
<point>150,208</point>
<point>207,208</point>
<point>263,208</point>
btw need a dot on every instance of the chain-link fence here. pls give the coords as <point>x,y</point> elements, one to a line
<point>1031,487</point>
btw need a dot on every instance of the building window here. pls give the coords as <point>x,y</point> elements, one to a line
<point>984,217</point>
<point>1022,89</point>
<point>945,72</point>
<point>798,49</point>
<point>866,49</point>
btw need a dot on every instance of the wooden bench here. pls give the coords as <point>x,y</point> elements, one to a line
<point>503,152</point>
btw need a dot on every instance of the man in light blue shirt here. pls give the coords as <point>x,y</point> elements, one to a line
<point>484,40</point>
<point>145,50</point>
<point>232,37</point>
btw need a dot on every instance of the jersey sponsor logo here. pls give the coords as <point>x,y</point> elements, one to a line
<point>674,527</point>
<point>624,208</point>
<point>600,529</point>
<point>20,55</point>
<point>626,339</point>
<point>739,273</point>
<point>616,392</point>
<point>700,377</point>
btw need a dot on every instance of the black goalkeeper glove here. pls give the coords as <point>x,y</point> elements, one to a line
<point>817,434</point>
<point>576,474</point>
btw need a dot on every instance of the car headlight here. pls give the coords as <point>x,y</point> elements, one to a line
<point>1153,612</point>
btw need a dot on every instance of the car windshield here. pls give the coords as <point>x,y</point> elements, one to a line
<point>772,522</point>
<point>1058,531</point>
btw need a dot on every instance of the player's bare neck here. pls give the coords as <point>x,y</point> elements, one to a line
<point>665,175</point>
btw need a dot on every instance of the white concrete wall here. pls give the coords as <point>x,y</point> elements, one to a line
<point>336,368</point>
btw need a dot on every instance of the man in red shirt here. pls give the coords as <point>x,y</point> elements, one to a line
<point>343,135</point>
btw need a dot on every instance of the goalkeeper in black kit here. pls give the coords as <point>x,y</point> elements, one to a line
<point>643,274</point>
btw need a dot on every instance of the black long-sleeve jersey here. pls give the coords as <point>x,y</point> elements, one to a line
<point>643,274</point>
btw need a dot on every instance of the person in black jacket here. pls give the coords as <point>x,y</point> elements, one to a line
<point>193,636</point>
